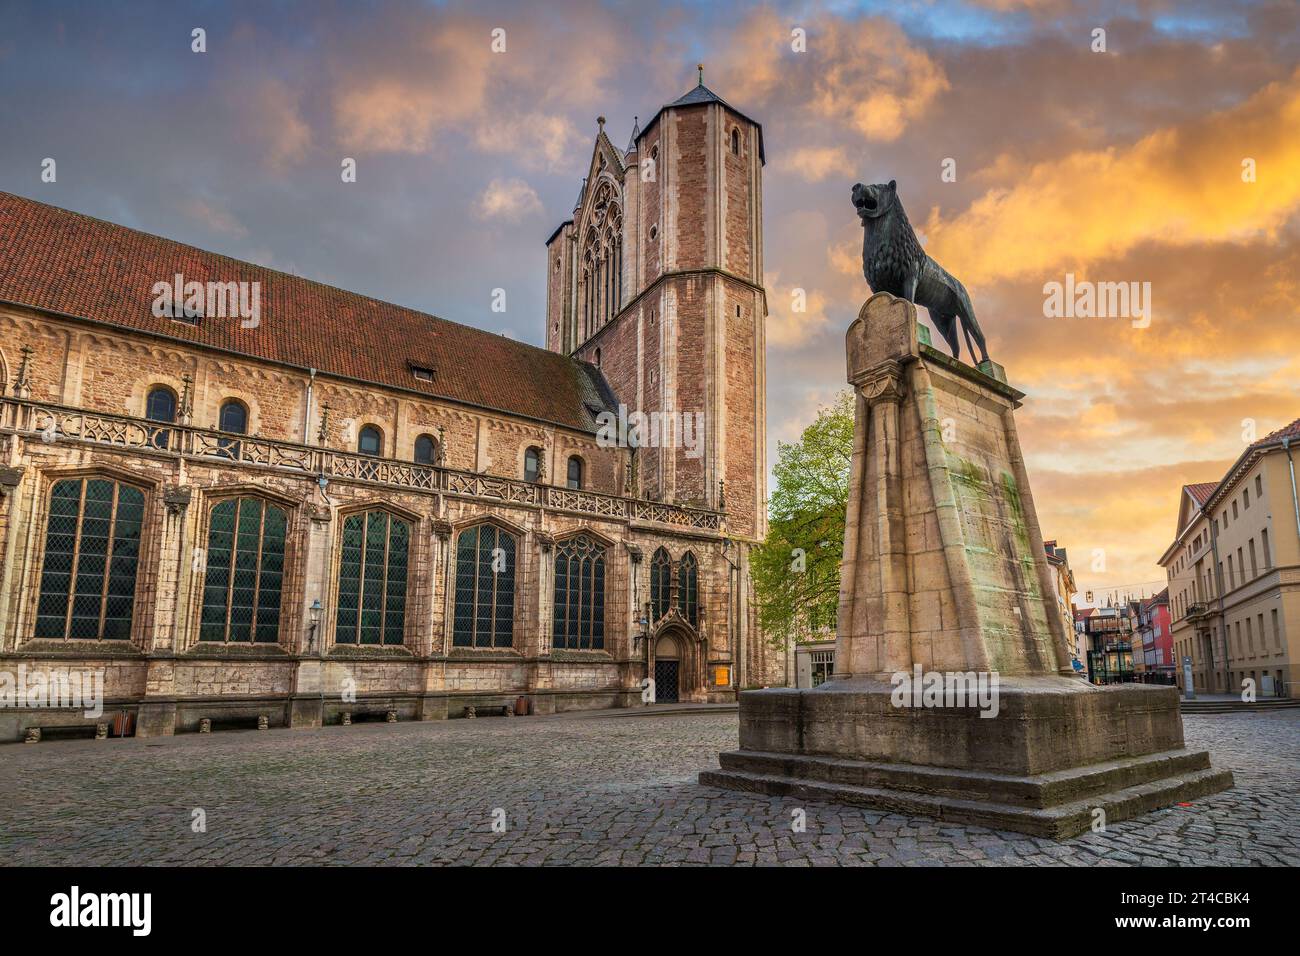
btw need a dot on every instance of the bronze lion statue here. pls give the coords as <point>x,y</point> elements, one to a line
<point>894,262</point>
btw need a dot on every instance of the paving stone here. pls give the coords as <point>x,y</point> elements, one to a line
<point>599,791</point>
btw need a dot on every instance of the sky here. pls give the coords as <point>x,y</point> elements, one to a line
<point>1163,150</point>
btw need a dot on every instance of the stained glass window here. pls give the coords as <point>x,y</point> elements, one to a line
<point>579,594</point>
<point>92,550</point>
<point>372,579</point>
<point>661,583</point>
<point>485,588</point>
<point>245,572</point>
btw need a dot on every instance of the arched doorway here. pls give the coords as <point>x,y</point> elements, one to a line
<point>668,670</point>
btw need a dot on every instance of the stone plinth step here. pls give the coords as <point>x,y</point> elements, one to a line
<point>1188,777</point>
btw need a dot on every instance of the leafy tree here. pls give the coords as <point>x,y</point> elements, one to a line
<point>796,571</point>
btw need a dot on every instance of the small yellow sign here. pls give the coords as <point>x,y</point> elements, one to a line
<point>721,676</point>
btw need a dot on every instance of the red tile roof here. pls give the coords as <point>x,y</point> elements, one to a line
<point>62,261</point>
<point>1201,492</point>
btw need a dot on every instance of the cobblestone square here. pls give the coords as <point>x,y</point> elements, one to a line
<point>577,789</point>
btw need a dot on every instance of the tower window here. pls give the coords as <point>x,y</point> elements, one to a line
<point>597,356</point>
<point>654,232</point>
<point>575,473</point>
<point>735,141</point>
<point>532,464</point>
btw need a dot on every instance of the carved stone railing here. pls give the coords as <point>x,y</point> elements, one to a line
<point>41,421</point>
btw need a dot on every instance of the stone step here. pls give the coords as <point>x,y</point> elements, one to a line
<point>1038,791</point>
<point>1236,707</point>
<point>1060,822</point>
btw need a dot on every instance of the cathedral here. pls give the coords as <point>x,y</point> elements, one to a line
<point>241,498</point>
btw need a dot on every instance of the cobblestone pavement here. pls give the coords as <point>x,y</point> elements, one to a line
<point>590,790</point>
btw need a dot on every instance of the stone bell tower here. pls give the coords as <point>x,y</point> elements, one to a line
<point>658,280</point>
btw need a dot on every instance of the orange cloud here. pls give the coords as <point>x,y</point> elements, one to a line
<point>1176,185</point>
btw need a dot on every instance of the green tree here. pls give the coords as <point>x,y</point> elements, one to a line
<point>796,570</point>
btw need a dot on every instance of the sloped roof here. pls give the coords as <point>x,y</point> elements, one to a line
<point>700,96</point>
<point>1201,491</point>
<point>61,261</point>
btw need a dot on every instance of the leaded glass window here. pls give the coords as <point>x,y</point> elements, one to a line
<point>92,550</point>
<point>661,583</point>
<point>372,579</point>
<point>485,588</point>
<point>245,572</point>
<point>687,593</point>
<point>579,594</point>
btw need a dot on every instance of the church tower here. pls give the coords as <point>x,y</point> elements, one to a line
<point>658,280</point>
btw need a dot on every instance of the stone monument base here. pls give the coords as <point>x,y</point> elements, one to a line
<point>1056,750</point>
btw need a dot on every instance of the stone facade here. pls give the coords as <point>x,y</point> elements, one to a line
<point>75,409</point>
<point>1234,574</point>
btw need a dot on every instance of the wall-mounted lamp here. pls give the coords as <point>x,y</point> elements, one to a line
<point>314,612</point>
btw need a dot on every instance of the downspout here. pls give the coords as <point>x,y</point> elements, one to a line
<point>1295,501</point>
<point>1218,580</point>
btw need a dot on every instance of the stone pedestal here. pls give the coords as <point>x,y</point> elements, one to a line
<point>945,578</point>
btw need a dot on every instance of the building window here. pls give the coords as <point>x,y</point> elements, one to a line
<point>1259,486</point>
<point>579,594</point>
<point>426,450</point>
<point>735,141</point>
<point>160,406</point>
<point>372,579</point>
<point>1263,541</point>
<point>233,417</point>
<point>92,549</point>
<point>575,472</point>
<point>823,667</point>
<point>661,582</point>
<point>532,464</point>
<point>485,588</point>
<point>421,373</point>
<point>371,441</point>
<point>687,594</point>
<point>245,572</point>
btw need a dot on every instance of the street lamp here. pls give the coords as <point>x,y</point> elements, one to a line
<point>314,611</point>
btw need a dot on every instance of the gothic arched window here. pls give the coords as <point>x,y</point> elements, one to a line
<point>687,592</point>
<point>532,464</point>
<point>92,549</point>
<point>485,588</point>
<point>579,603</point>
<point>372,579</point>
<point>245,572</point>
<point>575,473</point>
<point>661,583</point>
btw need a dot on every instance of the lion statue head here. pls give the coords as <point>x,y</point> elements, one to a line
<point>875,200</point>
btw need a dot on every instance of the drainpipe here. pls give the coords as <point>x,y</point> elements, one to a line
<point>1295,501</point>
<point>1218,580</point>
<point>306,420</point>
